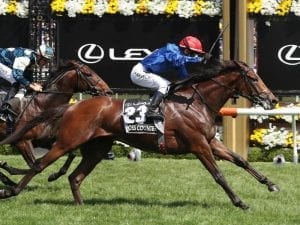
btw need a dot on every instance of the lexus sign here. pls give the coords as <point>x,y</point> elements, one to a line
<point>113,44</point>
<point>278,54</point>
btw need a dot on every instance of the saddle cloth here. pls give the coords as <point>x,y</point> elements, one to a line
<point>134,117</point>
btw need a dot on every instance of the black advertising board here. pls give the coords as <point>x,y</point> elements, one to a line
<point>14,32</point>
<point>112,45</point>
<point>278,54</point>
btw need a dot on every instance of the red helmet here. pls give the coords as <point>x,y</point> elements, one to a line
<point>192,43</point>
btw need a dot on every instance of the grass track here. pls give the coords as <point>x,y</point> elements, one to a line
<point>156,192</point>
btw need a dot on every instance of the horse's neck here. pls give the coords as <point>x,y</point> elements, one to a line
<point>210,94</point>
<point>50,100</point>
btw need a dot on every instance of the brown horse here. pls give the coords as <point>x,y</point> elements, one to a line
<point>71,77</point>
<point>189,127</point>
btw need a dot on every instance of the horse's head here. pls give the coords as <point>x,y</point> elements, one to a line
<point>253,88</point>
<point>89,81</point>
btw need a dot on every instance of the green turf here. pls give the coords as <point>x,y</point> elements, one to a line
<point>154,192</point>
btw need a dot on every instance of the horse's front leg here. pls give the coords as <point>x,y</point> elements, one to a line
<point>204,154</point>
<point>222,152</point>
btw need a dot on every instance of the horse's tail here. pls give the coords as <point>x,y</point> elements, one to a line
<point>48,117</point>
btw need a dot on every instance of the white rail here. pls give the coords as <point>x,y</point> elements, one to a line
<point>250,111</point>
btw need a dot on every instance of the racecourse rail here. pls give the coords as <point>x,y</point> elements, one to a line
<point>258,111</point>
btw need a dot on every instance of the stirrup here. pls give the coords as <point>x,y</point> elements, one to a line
<point>154,115</point>
<point>3,117</point>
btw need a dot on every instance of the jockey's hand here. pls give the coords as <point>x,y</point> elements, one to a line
<point>207,56</point>
<point>36,87</point>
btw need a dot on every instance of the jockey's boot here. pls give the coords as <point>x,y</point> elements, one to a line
<point>153,107</point>
<point>10,123</point>
<point>4,111</point>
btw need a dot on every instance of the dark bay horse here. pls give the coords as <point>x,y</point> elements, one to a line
<point>189,127</point>
<point>71,77</point>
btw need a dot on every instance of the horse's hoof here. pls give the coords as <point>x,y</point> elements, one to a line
<point>52,177</point>
<point>242,205</point>
<point>273,188</point>
<point>2,163</point>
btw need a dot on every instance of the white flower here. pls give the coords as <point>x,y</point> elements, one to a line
<point>73,7</point>
<point>157,7</point>
<point>212,8</point>
<point>3,5</point>
<point>269,7</point>
<point>275,137</point>
<point>259,118</point>
<point>22,9</point>
<point>296,7</point>
<point>126,7</point>
<point>100,7</point>
<point>185,8</point>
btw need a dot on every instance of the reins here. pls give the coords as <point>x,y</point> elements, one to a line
<point>80,75</point>
<point>243,73</point>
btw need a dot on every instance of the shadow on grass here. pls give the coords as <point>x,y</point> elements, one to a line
<point>125,201</point>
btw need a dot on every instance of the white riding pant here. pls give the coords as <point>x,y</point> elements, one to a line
<point>6,73</point>
<point>140,76</point>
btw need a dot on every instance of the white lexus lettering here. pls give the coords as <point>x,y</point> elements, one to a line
<point>286,55</point>
<point>132,54</point>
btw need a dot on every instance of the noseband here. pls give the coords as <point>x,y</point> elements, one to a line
<point>92,85</point>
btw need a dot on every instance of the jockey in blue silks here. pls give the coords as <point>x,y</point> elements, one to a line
<point>14,65</point>
<point>147,73</point>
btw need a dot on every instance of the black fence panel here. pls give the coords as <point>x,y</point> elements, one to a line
<point>14,32</point>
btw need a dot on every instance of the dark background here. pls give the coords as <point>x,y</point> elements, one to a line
<point>14,32</point>
<point>272,35</point>
<point>122,32</point>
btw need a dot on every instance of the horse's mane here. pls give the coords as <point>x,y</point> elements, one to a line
<point>204,71</point>
<point>63,66</point>
<point>207,70</point>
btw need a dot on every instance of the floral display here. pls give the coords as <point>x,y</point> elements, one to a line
<point>73,8</point>
<point>286,118</point>
<point>271,137</point>
<point>274,7</point>
<point>13,7</point>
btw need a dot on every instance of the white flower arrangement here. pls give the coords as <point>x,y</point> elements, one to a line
<point>275,137</point>
<point>182,8</point>
<point>287,118</point>
<point>19,9</point>
<point>274,7</point>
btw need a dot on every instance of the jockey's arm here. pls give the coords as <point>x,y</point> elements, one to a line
<point>19,66</point>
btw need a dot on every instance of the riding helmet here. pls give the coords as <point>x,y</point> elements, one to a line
<point>192,43</point>
<point>46,51</point>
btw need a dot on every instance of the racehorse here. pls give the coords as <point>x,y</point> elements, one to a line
<point>71,77</point>
<point>190,111</point>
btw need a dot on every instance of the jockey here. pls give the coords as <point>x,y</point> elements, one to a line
<point>14,65</point>
<point>147,73</point>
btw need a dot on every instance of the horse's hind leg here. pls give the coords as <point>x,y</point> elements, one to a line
<point>56,152</point>
<point>26,149</point>
<point>222,152</point>
<point>6,181</point>
<point>92,152</point>
<point>63,170</point>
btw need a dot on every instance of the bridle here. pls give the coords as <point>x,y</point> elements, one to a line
<point>253,95</point>
<point>81,76</point>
